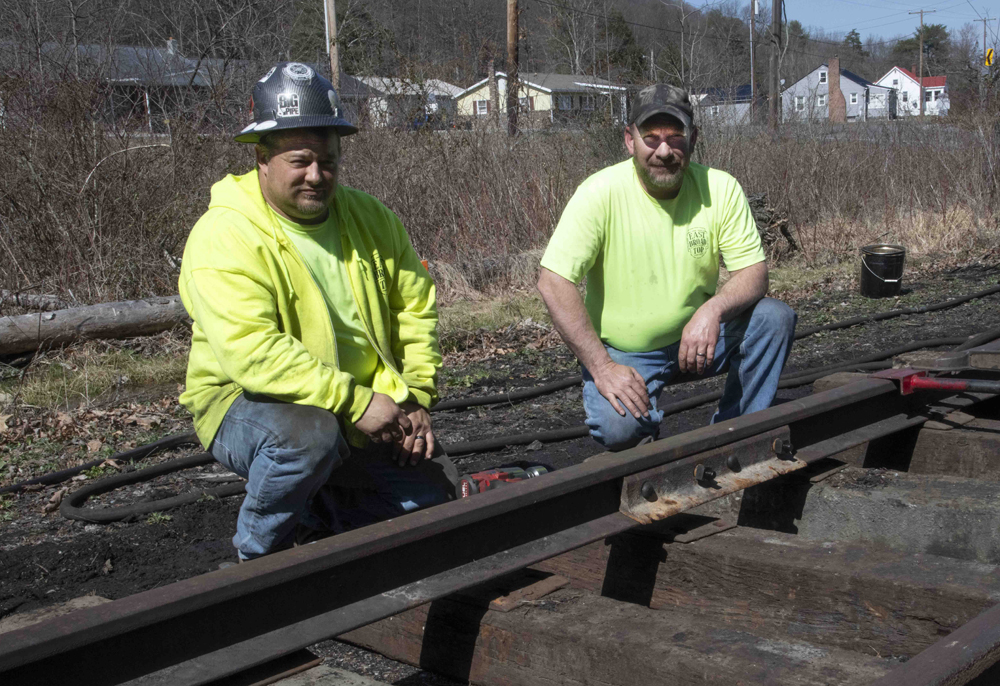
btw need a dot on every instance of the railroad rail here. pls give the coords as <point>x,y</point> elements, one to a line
<point>206,628</point>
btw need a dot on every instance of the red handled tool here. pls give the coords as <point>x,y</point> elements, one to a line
<point>494,478</point>
<point>911,380</point>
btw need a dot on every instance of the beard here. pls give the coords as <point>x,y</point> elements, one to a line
<point>312,205</point>
<point>660,179</point>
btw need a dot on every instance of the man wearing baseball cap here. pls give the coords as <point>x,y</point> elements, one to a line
<point>648,233</point>
<point>314,352</point>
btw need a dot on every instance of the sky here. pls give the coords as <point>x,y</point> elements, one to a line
<point>888,18</point>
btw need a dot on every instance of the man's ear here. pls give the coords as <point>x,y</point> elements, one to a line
<point>261,155</point>
<point>629,140</point>
<point>694,138</point>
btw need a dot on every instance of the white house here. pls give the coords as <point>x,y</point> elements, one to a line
<point>809,97</point>
<point>406,102</point>
<point>907,86</point>
<point>544,98</point>
<point>724,106</point>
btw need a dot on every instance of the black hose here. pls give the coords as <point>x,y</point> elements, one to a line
<point>511,396</point>
<point>799,378</point>
<point>500,442</point>
<point>890,314</point>
<point>980,339</point>
<point>70,508</point>
<point>577,379</point>
<point>126,456</point>
<point>899,350</point>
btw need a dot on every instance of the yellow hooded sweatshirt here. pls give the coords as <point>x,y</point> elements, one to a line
<point>261,323</point>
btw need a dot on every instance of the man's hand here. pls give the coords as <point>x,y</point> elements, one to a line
<point>698,340</point>
<point>384,421</point>
<point>622,385</point>
<point>418,443</point>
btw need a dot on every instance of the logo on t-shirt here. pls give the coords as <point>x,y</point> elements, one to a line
<point>697,241</point>
<point>379,270</point>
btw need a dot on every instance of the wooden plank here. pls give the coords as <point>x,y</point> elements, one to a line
<point>582,639</point>
<point>529,594</point>
<point>845,595</point>
<point>972,451</point>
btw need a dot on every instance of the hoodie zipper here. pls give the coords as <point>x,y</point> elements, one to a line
<point>364,324</point>
<point>329,318</point>
<point>354,296</point>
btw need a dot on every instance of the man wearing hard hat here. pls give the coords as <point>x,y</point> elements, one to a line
<point>314,352</point>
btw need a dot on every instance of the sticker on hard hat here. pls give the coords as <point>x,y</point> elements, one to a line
<point>334,105</point>
<point>297,71</point>
<point>288,105</point>
<point>266,76</point>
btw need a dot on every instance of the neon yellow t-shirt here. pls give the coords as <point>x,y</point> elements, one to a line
<point>321,249</point>
<point>651,263</point>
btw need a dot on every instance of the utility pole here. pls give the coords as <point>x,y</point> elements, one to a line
<point>774,110</point>
<point>330,14</point>
<point>512,67</point>
<point>985,68</point>
<point>753,30</point>
<point>921,75</point>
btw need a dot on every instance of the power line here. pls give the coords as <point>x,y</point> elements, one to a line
<point>982,19</point>
<point>715,35</point>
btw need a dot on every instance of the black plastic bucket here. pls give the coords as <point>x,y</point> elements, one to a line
<point>882,270</point>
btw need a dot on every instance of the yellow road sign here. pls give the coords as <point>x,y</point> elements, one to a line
<point>989,57</point>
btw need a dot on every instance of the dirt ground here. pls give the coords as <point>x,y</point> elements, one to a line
<point>45,559</point>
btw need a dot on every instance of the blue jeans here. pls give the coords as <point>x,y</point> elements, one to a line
<point>302,475</point>
<point>753,346</point>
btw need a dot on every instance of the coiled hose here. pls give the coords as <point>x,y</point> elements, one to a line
<point>70,506</point>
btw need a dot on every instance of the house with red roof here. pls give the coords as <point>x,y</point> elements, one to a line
<point>907,86</point>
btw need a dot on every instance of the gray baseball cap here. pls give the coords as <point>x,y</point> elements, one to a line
<point>662,98</point>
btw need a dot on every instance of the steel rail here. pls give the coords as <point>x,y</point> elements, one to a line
<point>201,629</point>
<point>968,655</point>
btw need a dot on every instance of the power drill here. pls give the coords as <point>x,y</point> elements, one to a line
<point>489,479</point>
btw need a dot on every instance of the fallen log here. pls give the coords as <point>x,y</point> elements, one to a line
<point>32,302</point>
<point>28,332</point>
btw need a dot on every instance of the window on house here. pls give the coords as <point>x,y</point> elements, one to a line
<point>587,102</point>
<point>565,102</point>
<point>822,77</point>
<point>927,96</point>
<point>800,103</point>
<point>482,107</point>
<point>937,95</point>
<point>715,110</point>
<point>821,100</point>
<point>526,104</point>
<point>895,83</point>
<point>903,95</point>
<point>854,98</point>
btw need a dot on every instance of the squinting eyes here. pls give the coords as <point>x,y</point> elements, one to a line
<point>676,142</point>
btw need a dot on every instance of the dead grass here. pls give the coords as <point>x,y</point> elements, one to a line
<point>95,374</point>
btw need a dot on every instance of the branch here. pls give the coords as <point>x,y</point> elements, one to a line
<point>118,152</point>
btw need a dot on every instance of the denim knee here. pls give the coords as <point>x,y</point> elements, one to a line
<point>616,433</point>
<point>775,318</point>
<point>306,435</point>
<point>317,439</point>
